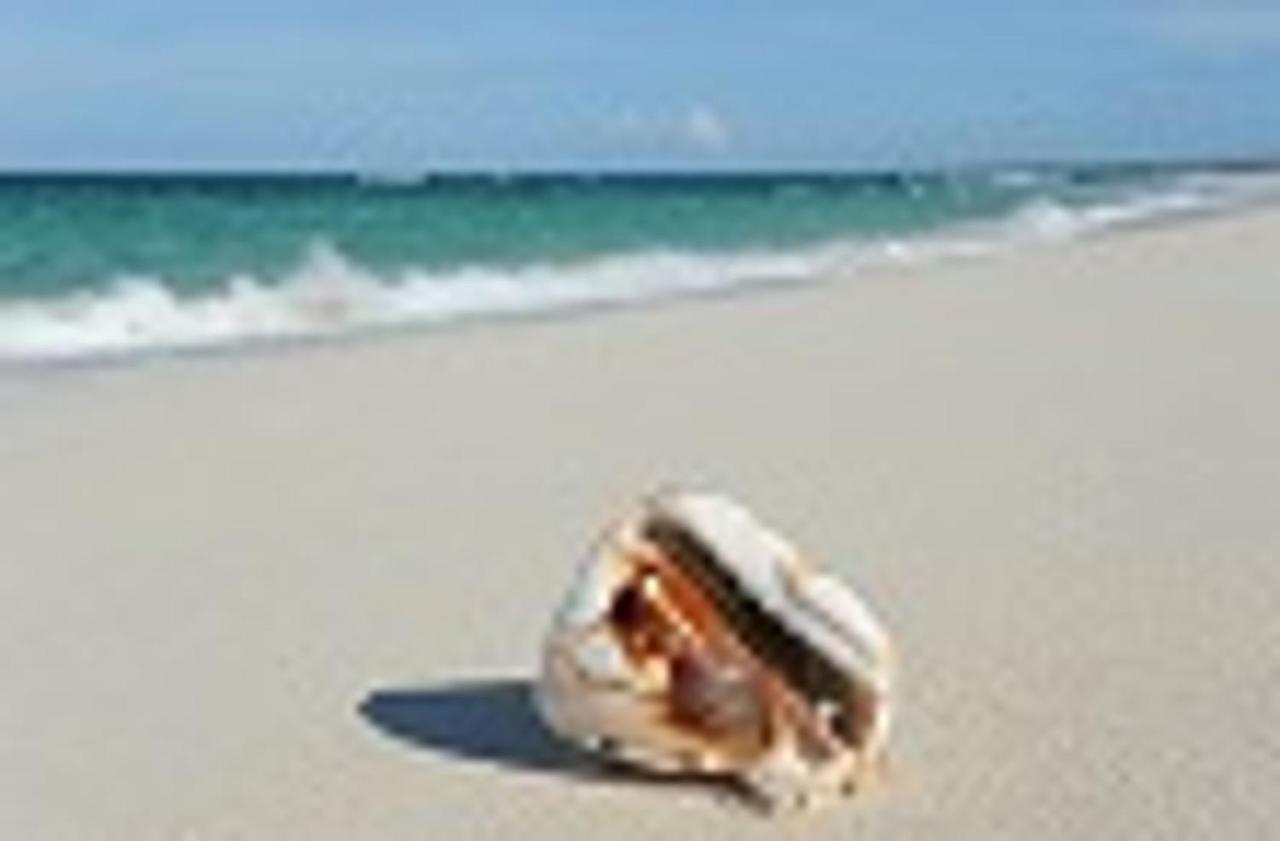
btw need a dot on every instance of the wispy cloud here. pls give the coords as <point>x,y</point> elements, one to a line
<point>1221,27</point>
<point>699,127</point>
<point>706,128</point>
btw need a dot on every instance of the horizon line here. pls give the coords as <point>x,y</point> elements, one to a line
<point>391,176</point>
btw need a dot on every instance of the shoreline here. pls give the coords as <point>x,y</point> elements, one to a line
<point>298,592</point>
<point>329,297</point>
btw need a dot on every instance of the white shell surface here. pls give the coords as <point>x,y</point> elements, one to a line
<point>655,661</point>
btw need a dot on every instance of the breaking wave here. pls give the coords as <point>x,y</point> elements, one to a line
<point>330,294</point>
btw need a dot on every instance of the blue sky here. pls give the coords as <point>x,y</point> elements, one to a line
<point>395,85</point>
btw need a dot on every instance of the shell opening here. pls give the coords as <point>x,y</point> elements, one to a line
<point>849,708</point>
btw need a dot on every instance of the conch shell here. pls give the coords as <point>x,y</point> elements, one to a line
<point>696,640</point>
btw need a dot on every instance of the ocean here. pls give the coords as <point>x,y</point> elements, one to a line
<point>114,265</point>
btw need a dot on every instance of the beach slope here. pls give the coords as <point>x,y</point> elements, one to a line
<point>299,594</point>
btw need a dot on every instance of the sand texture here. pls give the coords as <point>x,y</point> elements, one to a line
<point>299,594</point>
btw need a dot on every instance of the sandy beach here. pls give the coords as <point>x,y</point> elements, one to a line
<point>299,594</point>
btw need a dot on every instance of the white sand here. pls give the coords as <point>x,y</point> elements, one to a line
<point>1056,473</point>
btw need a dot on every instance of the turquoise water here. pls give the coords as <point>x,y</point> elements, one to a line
<point>98,264</point>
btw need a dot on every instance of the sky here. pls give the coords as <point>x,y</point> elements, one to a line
<point>418,85</point>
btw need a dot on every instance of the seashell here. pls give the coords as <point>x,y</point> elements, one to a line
<point>694,639</point>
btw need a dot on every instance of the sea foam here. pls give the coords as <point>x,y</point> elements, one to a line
<point>329,294</point>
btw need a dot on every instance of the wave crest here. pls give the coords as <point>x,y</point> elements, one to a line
<point>328,294</point>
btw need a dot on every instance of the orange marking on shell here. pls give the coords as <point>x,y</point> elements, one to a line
<point>717,691</point>
<point>778,702</point>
